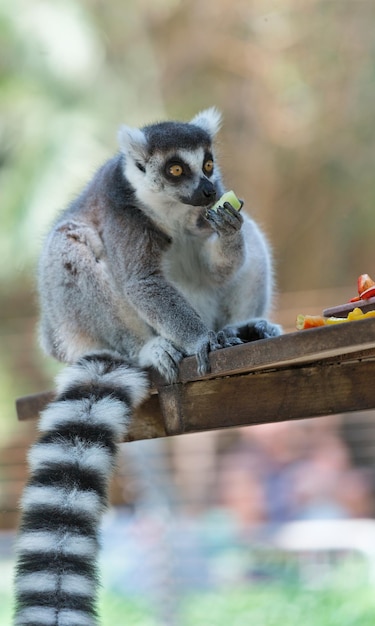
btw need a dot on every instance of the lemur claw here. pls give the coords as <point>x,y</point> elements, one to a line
<point>215,341</point>
<point>205,347</point>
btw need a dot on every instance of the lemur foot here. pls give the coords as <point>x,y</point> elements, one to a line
<point>214,341</point>
<point>255,329</point>
<point>231,335</point>
<point>163,356</point>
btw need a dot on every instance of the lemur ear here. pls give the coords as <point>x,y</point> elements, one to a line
<point>133,142</point>
<point>209,120</point>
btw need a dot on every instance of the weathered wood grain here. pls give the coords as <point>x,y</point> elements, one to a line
<point>148,422</point>
<point>272,396</point>
<point>304,374</point>
<point>307,346</point>
<point>342,310</point>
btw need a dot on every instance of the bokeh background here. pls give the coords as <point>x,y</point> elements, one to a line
<point>295,81</point>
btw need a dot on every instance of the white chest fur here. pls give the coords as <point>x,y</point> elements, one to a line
<point>184,266</point>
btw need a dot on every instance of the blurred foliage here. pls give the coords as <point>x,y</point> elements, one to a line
<point>295,81</point>
<point>340,603</point>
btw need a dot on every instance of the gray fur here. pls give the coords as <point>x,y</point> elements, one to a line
<point>139,264</point>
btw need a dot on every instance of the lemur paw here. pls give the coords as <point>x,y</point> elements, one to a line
<point>163,356</point>
<point>267,330</point>
<point>257,329</point>
<point>214,341</point>
<point>225,219</point>
<point>230,335</point>
<point>206,346</point>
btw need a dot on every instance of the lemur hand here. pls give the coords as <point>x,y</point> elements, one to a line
<point>257,328</point>
<point>225,219</point>
<point>162,355</point>
<point>214,341</point>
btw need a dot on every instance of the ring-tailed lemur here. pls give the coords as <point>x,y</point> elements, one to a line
<point>139,271</point>
<point>139,263</point>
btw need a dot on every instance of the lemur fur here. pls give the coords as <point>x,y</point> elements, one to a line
<point>137,272</point>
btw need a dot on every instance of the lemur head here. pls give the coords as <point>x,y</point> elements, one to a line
<point>171,165</point>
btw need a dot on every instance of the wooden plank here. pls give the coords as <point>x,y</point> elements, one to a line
<point>307,346</point>
<point>282,365</point>
<point>29,407</point>
<point>342,310</point>
<point>271,396</point>
<point>257,397</point>
<point>148,422</point>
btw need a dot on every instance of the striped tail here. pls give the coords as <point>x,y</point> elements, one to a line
<point>56,579</point>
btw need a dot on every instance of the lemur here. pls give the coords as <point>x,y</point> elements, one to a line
<point>139,271</point>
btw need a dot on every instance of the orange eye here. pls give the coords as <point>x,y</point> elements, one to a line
<point>176,170</point>
<point>208,166</point>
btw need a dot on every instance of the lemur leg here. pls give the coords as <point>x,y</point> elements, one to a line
<point>81,308</point>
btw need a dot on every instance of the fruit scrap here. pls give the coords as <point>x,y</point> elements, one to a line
<point>230,197</point>
<point>366,288</point>
<point>312,321</point>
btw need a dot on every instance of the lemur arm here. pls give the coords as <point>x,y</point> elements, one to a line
<point>137,270</point>
<point>226,249</point>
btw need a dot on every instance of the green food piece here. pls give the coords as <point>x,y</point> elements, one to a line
<point>230,197</point>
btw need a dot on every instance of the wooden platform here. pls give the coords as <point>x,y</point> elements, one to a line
<point>304,374</point>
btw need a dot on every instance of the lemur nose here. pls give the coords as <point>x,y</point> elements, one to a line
<point>203,195</point>
<point>209,193</point>
<point>208,189</point>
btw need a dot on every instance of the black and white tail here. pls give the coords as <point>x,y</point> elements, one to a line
<point>70,467</point>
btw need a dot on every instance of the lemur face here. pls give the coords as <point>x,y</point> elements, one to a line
<point>172,163</point>
<point>186,176</point>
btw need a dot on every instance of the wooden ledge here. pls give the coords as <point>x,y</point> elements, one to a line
<point>288,350</point>
<point>308,373</point>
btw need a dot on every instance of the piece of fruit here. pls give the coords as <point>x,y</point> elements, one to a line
<point>309,321</point>
<point>366,288</point>
<point>312,321</point>
<point>357,314</point>
<point>364,283</point>
<point>368,293</point>
<point>228,196</point>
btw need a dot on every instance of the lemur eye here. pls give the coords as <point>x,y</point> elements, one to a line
<point>208,166</point>
<point>175,170</point>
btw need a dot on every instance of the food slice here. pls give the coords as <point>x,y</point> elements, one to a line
<point>366,288</point>
<point>228,196</point>
<point>364,283</point>
<point>312,321</point>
